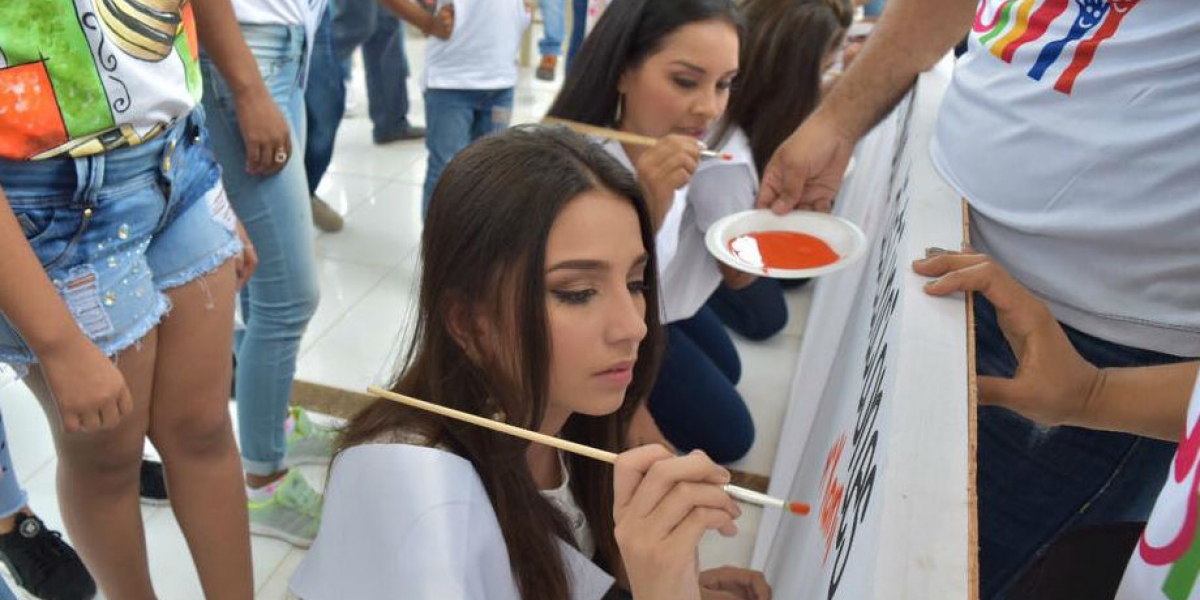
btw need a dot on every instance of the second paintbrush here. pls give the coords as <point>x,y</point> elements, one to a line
<point>624,136</point>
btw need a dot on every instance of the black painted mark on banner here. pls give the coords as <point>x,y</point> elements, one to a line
<point>862,468</point>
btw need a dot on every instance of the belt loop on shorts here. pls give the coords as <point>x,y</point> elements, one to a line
<point>89,179</point>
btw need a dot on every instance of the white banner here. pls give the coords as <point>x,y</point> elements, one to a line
<point>876,435</point>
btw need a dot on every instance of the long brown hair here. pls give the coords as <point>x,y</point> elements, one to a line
<point>784,43</point>
<point>484,247</point>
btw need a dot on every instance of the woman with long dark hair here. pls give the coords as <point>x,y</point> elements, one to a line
<point>664,69</point>
<point>787,47</point>
<point>537,272</point>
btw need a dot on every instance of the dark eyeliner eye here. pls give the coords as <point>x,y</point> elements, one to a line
<point>574,296</point>
<point>686,84</point>
<point>638,287</point>
<point>724,85</point>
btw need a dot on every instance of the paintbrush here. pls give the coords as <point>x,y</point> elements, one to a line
<point>738,493</point>
<point>624,136</point>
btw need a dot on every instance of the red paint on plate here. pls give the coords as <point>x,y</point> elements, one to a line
<point>782,250</point>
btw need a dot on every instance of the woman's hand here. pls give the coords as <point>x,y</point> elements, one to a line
<point>89,391</point>
<point>1053,384</point>
<point>664,168</point>
<point>734,583</point>
<point>247,261</point>
<point>264,131</point>
<point>663,505</point>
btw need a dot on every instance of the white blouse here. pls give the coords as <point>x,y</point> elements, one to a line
<point>408,521</point>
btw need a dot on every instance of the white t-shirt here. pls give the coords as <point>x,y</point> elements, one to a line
<point>688,274</point>
<point>1162,566</point>
<point>407,521</point>
<point>277,12</point>
<point>481,53</point>
<point>1082,160</point>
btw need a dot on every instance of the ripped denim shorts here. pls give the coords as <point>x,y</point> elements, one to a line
<point>113,231</point>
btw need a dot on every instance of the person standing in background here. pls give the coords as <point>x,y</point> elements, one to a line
<point>324,106</point>
<point>364,23</point>
<point>554,28</point>
<point>112,212</point>
<point>326,102</point>
<point>469,78</point>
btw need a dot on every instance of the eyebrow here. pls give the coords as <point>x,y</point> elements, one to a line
<point>594,265</point>
<point>698,68</point>
<point>579,265</point>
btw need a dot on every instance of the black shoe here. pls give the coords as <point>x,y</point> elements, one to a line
<point>152,487</point>
<point>43,564</point>
<point>411,133</point>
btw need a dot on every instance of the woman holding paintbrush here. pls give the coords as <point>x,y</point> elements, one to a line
<point>664,69</point>
<point>538,270</point>
<point>787,47</point>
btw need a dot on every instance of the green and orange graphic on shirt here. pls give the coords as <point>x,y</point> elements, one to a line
<point>1182,552</point>
<point>1017,23</point>
<point>63,65</point>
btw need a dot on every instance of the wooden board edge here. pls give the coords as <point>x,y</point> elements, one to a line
<point>972,432</point>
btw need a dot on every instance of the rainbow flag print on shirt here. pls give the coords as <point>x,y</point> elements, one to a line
<point>1082,27</point>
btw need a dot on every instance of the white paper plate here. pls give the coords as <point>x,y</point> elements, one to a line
<point>843,237</point>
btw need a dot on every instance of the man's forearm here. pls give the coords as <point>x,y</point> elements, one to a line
<point>409,11</point>
<point>1148,401</point>
<point>910,37</point>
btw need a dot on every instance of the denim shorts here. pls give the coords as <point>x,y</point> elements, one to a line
<point>113,231</point>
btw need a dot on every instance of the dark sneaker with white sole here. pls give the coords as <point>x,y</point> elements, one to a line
<point>152,486</point>
<point>43,564</point>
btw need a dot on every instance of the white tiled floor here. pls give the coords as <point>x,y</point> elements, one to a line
<point>368,287</point>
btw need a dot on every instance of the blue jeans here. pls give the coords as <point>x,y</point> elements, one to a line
<point>694,401</point>
<point>12,496</point>
<point>282,296</point>
<point>555,25</point>
<point>114,230</point>
<point>454,119</point>
<point>755,312</point>
<point>1036,483</point>
<point>324,103</point>
<point>578,28</point>
<point>365,23</point>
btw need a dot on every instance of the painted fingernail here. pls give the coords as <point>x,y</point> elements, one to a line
<point>933,251</point>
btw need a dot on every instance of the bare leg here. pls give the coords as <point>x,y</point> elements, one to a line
<point>98,481</point>
<point>190,426</point>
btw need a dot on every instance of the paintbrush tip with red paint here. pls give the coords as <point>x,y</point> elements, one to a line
<point>744,495</point>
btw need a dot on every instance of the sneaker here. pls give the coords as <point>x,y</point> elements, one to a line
<point>309,443</point>
<point>43,564</point>
<point>152,486</point>
<point>324,217</point>
<point>404,135</point>
<point>545,70</point>
<point>292,513</point>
